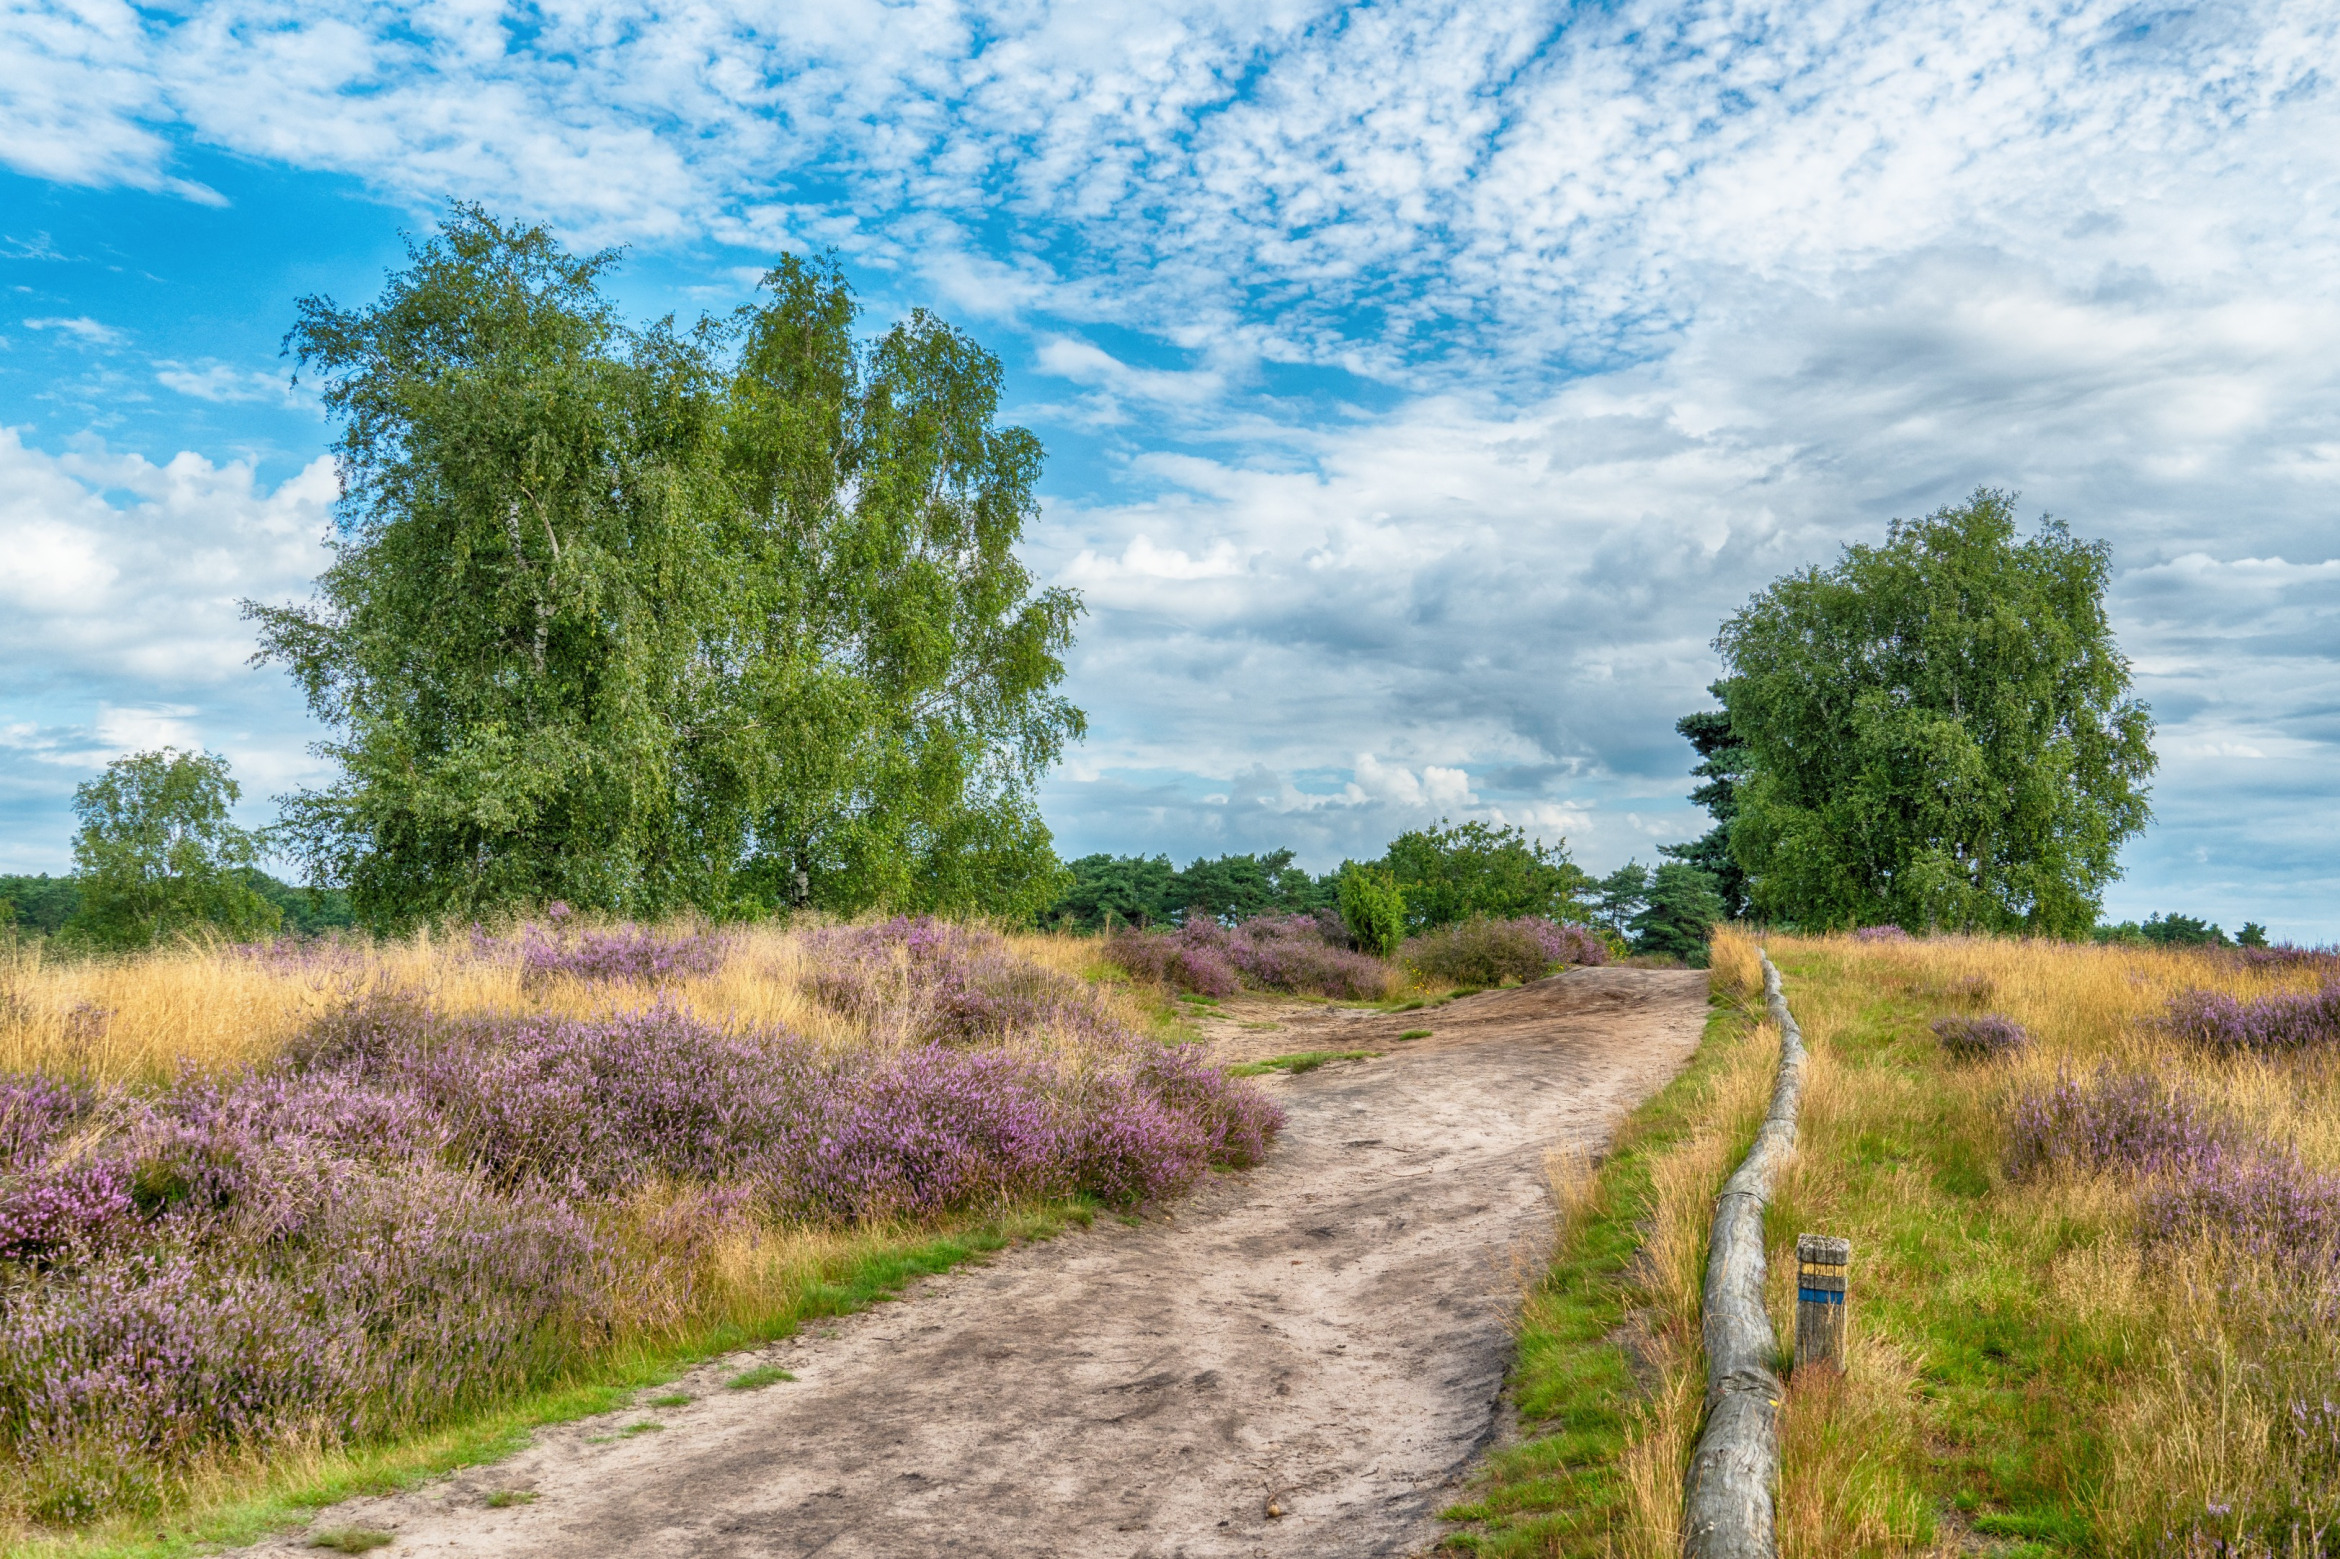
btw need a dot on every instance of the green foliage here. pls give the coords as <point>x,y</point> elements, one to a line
<point>1141,891</point>
<point>1709,732</point>
<point>157,853</point>
<point>1452,872</point>
<point>757,1377</point>
<point>306,911</point>
<point>2251,935</point>
<point>1937,732</point>
<point>1373,907</point>
<point>39,906</point>
<point>1298,1062</point>
<point>1618,897</point>
<point>1682,911</point>
<point>2176,931</point>
<point>641,619</point>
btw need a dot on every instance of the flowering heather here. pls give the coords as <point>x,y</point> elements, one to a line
<point>409,1212</point>
<point>1986,1038</point>
<point>2284,955</point>
<point>1300,954</point>
<point>1881,934</point>
<point>918,981</point>
<point>640,955</point>
<point>1480,951</point>
<point>1192,958</point>
<point>2288,1020</point>
<point>2126,1122</point>
<point>2265,1204</point>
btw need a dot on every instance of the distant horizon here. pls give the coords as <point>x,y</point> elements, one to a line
<point>1421,388</point>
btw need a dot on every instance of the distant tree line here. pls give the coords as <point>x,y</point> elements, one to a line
<point>1426,879</point>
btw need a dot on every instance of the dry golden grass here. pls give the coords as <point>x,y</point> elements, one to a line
<point>2179,1367</point>
<point>214,1008</point>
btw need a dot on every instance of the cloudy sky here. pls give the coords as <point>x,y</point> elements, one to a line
<point>1422,383</point>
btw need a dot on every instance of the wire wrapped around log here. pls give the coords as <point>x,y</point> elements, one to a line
<point>1727,1502</point>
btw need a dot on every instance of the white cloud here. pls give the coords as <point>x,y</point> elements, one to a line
<point>226,384</point>
<point>82,328</point>
<point>148,589</point>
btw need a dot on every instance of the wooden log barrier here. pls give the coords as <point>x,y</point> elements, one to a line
<point>1727,1498</point>
<point>1822,1265</point>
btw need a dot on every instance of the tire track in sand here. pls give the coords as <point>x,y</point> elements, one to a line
<point>1325,1333</point>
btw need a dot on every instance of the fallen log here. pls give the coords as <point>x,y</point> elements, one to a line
<point>1727,1506</point>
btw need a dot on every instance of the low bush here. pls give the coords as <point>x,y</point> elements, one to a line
<point>1486,952</point>
<point>2287,1020</point>
<point>1297,954</point>
<point>1987,1038</point>
<point>2121,1122</point>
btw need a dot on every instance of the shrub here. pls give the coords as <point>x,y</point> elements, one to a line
<point>2263,1204</point>
<point>639,955</point>
<point>1373,909</point>
<point>2288,1020</point>
<point>1486,952</point>
<point>1294,953</point>
<point>1986,1038</point>
<point>2126,1122</point>
<point>1881,934</point>
<point>1178,959</point>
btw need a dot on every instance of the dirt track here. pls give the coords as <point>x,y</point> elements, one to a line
<point>1324,1334</point>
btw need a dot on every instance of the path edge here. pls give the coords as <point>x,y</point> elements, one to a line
<point>1727,1500</point>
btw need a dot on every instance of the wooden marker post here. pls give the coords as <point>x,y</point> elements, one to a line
<point>1821,1266</point>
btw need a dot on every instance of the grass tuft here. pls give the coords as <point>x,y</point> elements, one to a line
<point>1301,1061</point>
<point>758,1378</point>
<point>504,1499</point>
<point>353,1540</point>
<point>1415,1034</point>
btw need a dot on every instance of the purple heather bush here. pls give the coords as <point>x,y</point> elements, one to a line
<point>1881,934</point>
<point>639,955</point>
<point>1299,954</point>
<point>409,1213</point>
<point>1986,1038</point>
<point>2288,1020</point>
<point>2121,1122</point>
<point>1485,952</point>
<point>2261,1203</point>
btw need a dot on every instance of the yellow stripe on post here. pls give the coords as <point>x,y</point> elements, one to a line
<point>1822,1264</point>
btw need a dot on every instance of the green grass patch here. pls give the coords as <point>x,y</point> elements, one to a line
<point>353,1540</point>
<point>1415,1034</point>
<point>505,1499</point>
<point>1299,1061</point>
<point>672,1399</point>
<point>758,1378</point>
<point>644,1427</point>
<point>278,1500</point>
<point>1559,1490</point>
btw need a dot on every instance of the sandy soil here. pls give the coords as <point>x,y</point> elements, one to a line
<point>1322,1337</point>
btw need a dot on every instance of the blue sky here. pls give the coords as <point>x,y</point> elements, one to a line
<point>1422,383</point>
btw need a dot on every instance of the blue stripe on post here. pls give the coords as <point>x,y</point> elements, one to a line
<point>1820,1296</point>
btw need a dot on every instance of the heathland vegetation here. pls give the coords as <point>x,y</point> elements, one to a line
<point>2094,1198</point>
<point>265,1208</point>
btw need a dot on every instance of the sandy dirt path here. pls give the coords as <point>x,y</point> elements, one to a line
<point>1324,1335</point>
